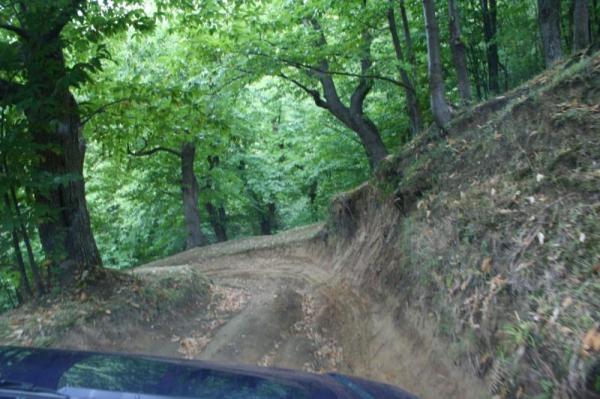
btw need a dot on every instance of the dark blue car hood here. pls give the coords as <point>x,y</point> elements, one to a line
<point>154,376</point>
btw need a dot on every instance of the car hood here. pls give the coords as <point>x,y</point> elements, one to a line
<point>109,375</point>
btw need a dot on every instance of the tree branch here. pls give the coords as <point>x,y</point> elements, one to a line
<point>144,152</point>
<point>217,89</point>
<point>323,73</point>
<point>102,109</point>
<point>64,17</point>
<point>319,101</point>
<point>311,68</point>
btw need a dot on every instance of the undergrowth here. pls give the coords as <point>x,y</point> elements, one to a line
<point>127,298</point>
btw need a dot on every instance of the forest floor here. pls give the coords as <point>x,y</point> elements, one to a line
<point>269,301</point>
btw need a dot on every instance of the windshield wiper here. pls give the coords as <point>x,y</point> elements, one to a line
<point>19,389</point>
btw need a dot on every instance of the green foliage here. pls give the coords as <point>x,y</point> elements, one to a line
<point>237,79</point>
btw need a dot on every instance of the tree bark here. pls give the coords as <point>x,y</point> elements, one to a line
<point>351,116</point>
<point>24,281</point>
<point>189,192</point>
<point>489,14</point>
<point>217,215</point>
<point>595,35</point>
<point>313,187</point>
<point>21,264</point>
<point>53,118</point>
<point>439,106</point>
<point>567,25</point>
<point>218,220</point>
<point>268,218</point>
<point>35,271</point>
<point>410,50</point>
<point>581,24</point>
<point>189,189</point>
<point>412,104</point>
<point>549,20</point>
<point>459,55</point>
<point>66,232</point>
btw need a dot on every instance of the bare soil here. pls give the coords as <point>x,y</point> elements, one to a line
<point>274,302</point>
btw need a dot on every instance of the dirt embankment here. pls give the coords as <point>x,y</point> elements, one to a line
<point>270,301</point>
<point>489,236</point>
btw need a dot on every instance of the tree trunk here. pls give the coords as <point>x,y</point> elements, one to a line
<point>352,116</point>
<point>567,25</point>
<point>489,14</point>
<point>459,55</point>
<point>66,233</point>
<point>54,120</point>
<point>35,271</point>
<point>370,139</point>
<point>412,59</point>
<point>410,50</point>
<point>439,106</point>
<point>313,188</point>
<point>581,24</point>
<point>217,218</point>
<point>476,73</point>
<point>24,284</point>
<point>189,192</point>
<point>268,219</point>
<point>595,35</point>
<point>549,20</point>
<point>412,104</point>
<point>8,292</point>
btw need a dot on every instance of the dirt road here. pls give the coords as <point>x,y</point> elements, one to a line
<point>279,305</point>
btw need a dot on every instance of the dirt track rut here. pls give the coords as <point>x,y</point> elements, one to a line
<point>284,308</point>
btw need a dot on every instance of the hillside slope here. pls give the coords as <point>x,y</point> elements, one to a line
<point>490,235</point>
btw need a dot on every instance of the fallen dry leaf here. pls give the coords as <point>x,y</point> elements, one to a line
<point>591,341</point>
<point>519,393</point>
<point>230,300</point>
<point>486,265</point>
<point>497,282</point>
<point>191,347</point>
<point>565,330</point>
<point>568,301</point>
<point>465,284</point>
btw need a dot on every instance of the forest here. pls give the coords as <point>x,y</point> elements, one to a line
<point>134,129</point>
